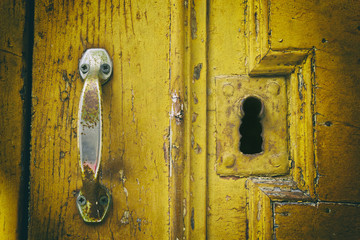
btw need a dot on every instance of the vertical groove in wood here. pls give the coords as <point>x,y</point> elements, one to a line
<point>196,86</point>
<point>177,125</point>
<point>15,85</point>
<point>23,214</point>
<point>227,56</point>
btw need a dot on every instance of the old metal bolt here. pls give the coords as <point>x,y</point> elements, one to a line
<point>85,68</point>
<point>228,160</point>
<point>105,68</point>
<point>273,88</point>
<point>228,90</point>
<point>275,162</point>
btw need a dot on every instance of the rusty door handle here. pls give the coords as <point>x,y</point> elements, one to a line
<point>94,199</point>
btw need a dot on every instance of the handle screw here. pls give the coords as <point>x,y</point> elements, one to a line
<point>104,200</point>
<point>105,68</point>
<point>81,200</point>
<point>85,68</point>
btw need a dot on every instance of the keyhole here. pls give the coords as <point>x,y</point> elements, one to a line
<point>251,129</point>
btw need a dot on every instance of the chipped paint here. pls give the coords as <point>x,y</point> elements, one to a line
<point>177,106</point>
<point>301,83</point>
<point>273,159</point>
<point>125,217</point>
<point>197,71</point>
<point>194,117</point>
<point>192,219</point>
<point>193,23</point>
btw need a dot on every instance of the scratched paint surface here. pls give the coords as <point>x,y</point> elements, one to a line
<point>317,221</point>
<point>12,96</point>
<point>331,172</point>
<point>136,105</point>
<point>333,28</point>
<point>226,214</point>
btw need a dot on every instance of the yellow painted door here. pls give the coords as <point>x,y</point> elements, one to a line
<point>136,123</point>
<point>174,119</point>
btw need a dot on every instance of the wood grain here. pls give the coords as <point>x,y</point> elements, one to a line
<point>316,221</point>
<point>13,75</point>
<point>333,29</point>
<point>144,149</point>
<point>136,106</point>
<point>226,200</point>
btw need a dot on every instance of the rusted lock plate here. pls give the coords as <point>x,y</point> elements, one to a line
<point>231,93</point>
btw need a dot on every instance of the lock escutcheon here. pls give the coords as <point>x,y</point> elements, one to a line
<point>267,126</point>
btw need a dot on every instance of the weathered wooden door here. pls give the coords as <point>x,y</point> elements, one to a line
<point>175,119</point>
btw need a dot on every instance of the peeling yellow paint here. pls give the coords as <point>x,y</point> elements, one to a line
<point>161,144</point>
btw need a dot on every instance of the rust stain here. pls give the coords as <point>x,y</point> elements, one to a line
<point>91,111</point>
<point>194,117</point>
<point>192,140</point>
<point>93,191</point>
<point>193,23</point>
<point>197,71</point>
<point>197,149</point>
<point>301,84</point>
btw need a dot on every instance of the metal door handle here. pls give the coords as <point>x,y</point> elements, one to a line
<point>93,200</point>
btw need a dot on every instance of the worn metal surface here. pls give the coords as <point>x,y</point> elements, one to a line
<point>231,92</point>
<point>93,200</point>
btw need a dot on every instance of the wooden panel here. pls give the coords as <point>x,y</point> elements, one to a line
<point>296,28</point>
<point>298,67</point>
<point>135,159</point>
<point>226,201</point>
<point>143,148</point>
<point>176,135</point>
<point>262,193</point>
<point>196,67</point>
<point>333,29</point>
<point>316,221</point>
<point>12,95</point>
<point>227,49</point>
